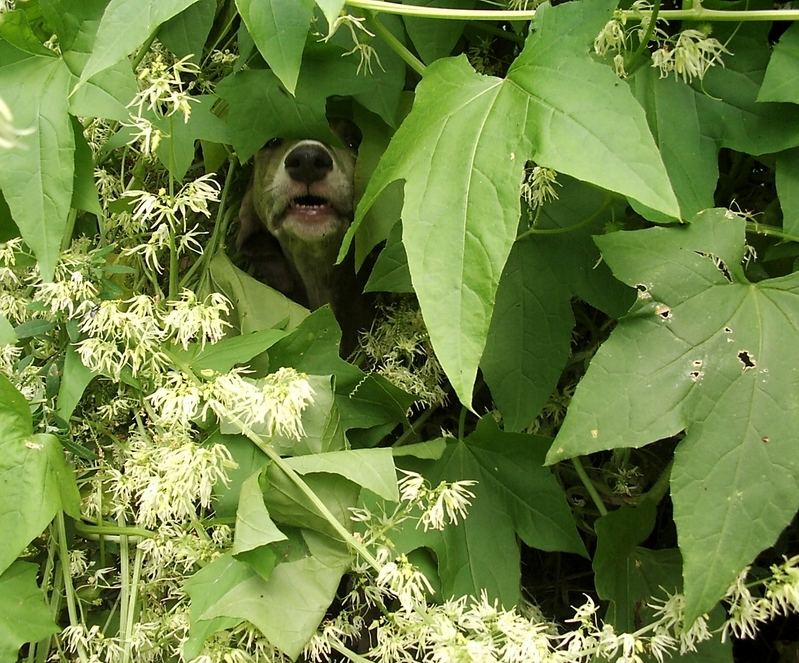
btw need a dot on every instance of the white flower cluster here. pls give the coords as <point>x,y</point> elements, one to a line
<point>689,54</point>
<point>131,333</point>
<point>398,348</point>
<point>443,505</point>
<point>165,219</point>
<point>538,186</point>
<point>275,402</point>
<point>164,480</point>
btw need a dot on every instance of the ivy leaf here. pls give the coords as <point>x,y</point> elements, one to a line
<point>461,152</point>
<point>37,178</point>
<point>125,25</point>
<point>515,496</point>
<point>706,352</point>
<point>24,614</point>
<point>279,29</point>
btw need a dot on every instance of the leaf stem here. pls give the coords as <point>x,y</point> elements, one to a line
<point>637,58</point>
<point>589,486</point>
<point>100,530</point>
<point>755,228</point>
<point>694,14</point>
<point>396,45</point>
<point>298,481</point>
<point>69,590</point>
<point>413,428</point>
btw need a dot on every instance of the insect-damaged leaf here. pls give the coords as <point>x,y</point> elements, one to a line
<point>462,151</point>
<point>707,352</point>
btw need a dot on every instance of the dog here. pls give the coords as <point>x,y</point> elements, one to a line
<point>292,219</point>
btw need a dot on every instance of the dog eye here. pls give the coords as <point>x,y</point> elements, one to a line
<point>273,143</point>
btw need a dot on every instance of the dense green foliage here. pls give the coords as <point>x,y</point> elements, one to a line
<point>585,224</point>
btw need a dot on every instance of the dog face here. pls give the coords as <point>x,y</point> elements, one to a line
<point>302,190</point>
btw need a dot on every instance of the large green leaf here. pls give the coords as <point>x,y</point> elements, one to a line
<point>515,496</point>
<point>787,180</point>
<point>255,530</point>
<point>109,91</point>
<point>707,352</point>
<point>279,29</point>
<point>781,82</point>
<point>29,465</point>
<point>462,150</point>
<point>287,608</point>
<point>530,335</point>
<point>37,177</point>
<point>435,39</point>
<point>24,615</point>
<point>185,34</point>
<point>125,25</point>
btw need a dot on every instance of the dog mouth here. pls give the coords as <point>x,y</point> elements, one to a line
<point>310,208</point>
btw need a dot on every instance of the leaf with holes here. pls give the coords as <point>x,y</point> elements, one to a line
<point>462,151</point>
<point>706,352</point>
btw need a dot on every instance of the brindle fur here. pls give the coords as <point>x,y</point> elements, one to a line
<point>297,258</point>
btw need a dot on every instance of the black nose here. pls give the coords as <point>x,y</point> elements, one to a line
<point>308,163</point>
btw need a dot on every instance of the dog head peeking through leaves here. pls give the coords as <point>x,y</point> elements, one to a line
<point>294,216</point>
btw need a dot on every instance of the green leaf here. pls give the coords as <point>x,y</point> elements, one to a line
<point>530,335</point>
<point>435,39</point>
<point>287,608</point>
<point>84,190</point>
<point>15,415</point>
<point>712,359</point>
<point>781,82</point>
<point>787,180</point>
<point>515,495</point>
<point>290,506</point>
<point>32,465</point>
<point>331,9</point>
<point>225,354</point>
<point>257,306</point>
<point>255,530</point>
<point>249,459</point>
<point>279,29</point>
<point>109,91</point>
<point>259,109</point>
<point>16,30</point>
<point>390,273</point>
<point>689,151</point>
<point>7,335</point>
<point>185,34</point>
<point>37,178</point>
<point>461,152</point>
<point>24,614</point>
<point>125,25</point>
<point>372,469</point>
<point>74,381</point>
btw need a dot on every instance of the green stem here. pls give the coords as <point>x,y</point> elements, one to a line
<point>298,481</point>
<point>132,604</point>
<point>69,230</point>
<point>445,14</point>
<point>770,231</point>
<point>660,487</point>
<point>413,428</point>
<point>102,530</point>
<point>396,45</point>
<point>143,51</point>
<point>568,229</point>
<point>339,646</point>
<point>124,589</point>
<point>637,58</point>
<point>69,590</point>
<point>589,486</point>
<point>694,14</point>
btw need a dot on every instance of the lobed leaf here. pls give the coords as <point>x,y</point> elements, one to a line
<point>703,351</point>
<point>24,613</point>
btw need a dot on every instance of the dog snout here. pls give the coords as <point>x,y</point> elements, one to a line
<point>308,163</point>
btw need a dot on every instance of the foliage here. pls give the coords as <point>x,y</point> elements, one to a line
<point>570,433</point>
